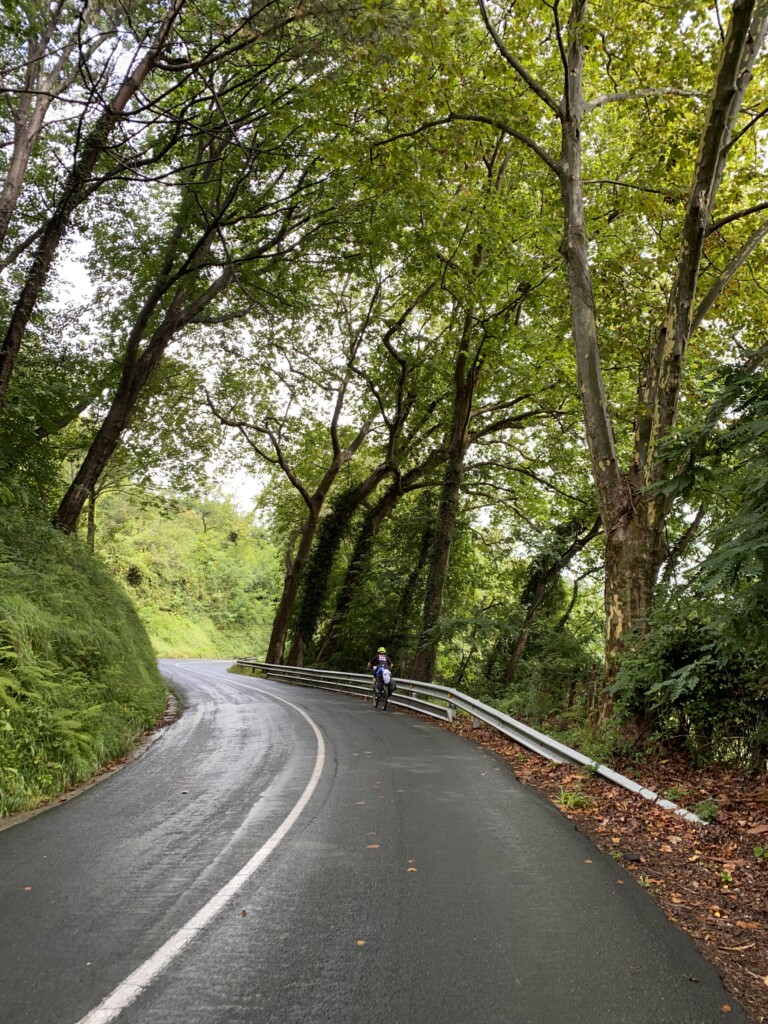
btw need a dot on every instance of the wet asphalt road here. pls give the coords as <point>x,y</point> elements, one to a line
<point>419,883</point>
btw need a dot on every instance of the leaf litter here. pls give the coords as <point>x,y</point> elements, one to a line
<point>706,878</point>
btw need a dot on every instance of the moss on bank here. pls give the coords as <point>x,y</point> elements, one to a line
<point>78,677</point>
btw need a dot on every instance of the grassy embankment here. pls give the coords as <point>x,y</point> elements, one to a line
<point>78,678</point>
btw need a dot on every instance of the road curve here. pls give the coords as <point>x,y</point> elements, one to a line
<point>301,857</point>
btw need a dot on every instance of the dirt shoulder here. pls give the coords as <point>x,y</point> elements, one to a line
<point>706,878</point>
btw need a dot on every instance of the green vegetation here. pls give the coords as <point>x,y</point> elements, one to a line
<point>574,799</point>
<point>78,679</point>
<point>706,810</point>
<point>440,278</point>
<point>200,575</point>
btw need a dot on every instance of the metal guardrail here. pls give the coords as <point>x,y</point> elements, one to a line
<point>442,701</point>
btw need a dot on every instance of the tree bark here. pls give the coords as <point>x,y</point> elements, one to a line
<point>132,382</point>
<point>358,563</point>
<point>282,620</point>
<point>316,576</point>
<point>542,587</point>
<point>465,378</point>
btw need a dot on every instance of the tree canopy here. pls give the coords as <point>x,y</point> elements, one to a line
<point>474,290</point>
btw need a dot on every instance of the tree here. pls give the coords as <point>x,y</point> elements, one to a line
<point>76,188</point>
<point>557,81</point>
<point>352,332</point>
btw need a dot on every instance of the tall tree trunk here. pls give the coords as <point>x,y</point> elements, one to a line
<point>545,580</point>
<point>405,605</point>
<point>356,569</point>
<point>39,91</point>
<point>282,620</point>
<point>91,535</point>
<point>634,523</point>
<point>317,575</point>
<point>132,382</point>
<point>465,377</point>
<point>634,553</point>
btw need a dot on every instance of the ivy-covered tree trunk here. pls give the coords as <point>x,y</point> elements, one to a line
<point>282,620</point>
<point>465,377</point>
<point>317,575</point>
<point>356,569</point>
<point>402,642</point>
<point>539,587</point>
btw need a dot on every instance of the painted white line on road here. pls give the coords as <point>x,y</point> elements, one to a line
<point>133,986</point>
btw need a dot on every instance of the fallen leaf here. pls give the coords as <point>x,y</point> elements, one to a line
<point>748,924</point>
<point>587,861</point>
<point>360,942</point>
<point>725,1008</point>
<point>619,882</point>
<point>411,869</point>
<point>757,830</point>
<point>243,913</point>
<point>360,803</point>
<point>373,846</point>
<point>27,888</point>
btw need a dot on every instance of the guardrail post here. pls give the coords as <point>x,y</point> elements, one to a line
<point>476,723</point>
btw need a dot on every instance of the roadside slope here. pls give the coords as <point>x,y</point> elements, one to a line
<point>78,678</point>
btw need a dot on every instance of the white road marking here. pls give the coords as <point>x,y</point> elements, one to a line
<point>133,986</point>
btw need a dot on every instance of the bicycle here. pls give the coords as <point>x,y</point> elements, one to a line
<point>380,692</point>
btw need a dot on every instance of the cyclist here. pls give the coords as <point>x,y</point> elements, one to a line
<point>378,663</point>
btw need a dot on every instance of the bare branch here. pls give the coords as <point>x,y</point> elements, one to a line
<point>494,122</point>
<point>638,188</point>
<point>751,123</point>
<point>716,225</point>
<point>729,273</point>
<point>515,64</point>
<point>639,94</point>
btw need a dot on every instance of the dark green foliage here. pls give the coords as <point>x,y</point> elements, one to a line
<point>701,672</point>
<point>317,575</point>
<point>78,679</point>
<point>705,687</point>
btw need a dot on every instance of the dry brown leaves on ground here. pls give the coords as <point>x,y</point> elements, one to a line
<point>707,879</point>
